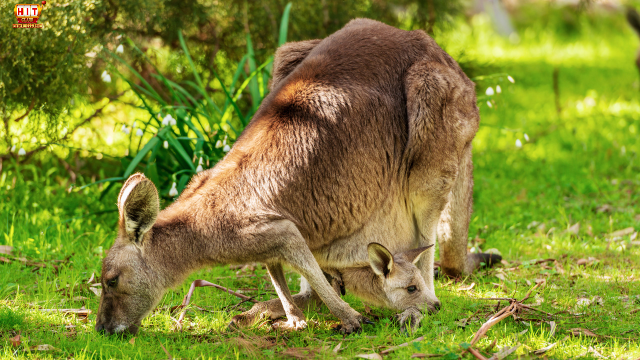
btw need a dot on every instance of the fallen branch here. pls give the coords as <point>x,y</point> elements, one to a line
<point>507,311</point>
<point>477,354</point>
<point>203,283</point>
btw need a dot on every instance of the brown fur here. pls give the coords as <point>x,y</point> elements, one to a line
<point>365,137</point>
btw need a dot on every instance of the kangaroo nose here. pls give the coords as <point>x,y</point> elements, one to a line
<point>437,305</point>
<point>100,328</point>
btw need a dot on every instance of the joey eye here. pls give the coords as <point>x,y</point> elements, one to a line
<point>113,282</point>
<point>411,289</point>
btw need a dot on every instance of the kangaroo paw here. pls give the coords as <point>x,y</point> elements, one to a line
<point>258,312</point>
<point>410,317</point>
<point>291,324</point>
<point>353,324</point>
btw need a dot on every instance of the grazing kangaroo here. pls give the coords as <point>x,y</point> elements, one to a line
<point>365,138</point>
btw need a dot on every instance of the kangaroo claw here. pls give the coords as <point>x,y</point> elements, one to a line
<point>368,322</point>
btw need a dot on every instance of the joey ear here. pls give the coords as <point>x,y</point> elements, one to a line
<point>414,255</point>
<point>380,258</point>
<point>139,205</point>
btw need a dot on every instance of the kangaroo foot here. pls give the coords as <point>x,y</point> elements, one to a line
<point>411,317</point>
<point>484,260</point>
<point>473,262</point>
<point>294,324</point>
<point>353,324</point>
<point>259,311</point>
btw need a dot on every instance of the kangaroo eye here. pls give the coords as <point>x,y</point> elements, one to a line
<point>411,289</point>
<point>113,282</point>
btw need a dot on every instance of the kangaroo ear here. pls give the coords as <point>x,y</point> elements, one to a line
<point>380,258</point>
<point>415,254</point>
<point>139,205</point>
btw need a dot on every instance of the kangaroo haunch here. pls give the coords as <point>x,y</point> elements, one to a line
<point>365,138</point>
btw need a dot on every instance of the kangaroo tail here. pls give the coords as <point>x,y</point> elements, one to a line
<point>633,18</point>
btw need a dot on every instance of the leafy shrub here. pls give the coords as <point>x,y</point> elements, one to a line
<point>191,131</point>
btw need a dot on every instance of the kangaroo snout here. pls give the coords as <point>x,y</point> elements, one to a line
<point>117,329</point>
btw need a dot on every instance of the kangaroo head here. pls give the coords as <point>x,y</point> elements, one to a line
<point>403,285</point>
<point>130,286</point>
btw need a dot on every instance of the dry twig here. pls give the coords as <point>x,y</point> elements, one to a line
<point>202,283</point>
<point>507,311</point>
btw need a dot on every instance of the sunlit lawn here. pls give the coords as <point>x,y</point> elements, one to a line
<point>578,166</point>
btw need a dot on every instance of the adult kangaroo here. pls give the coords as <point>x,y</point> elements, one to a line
<point>365,138</point>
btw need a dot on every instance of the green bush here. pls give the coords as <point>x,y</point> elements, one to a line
<point>193,129</point>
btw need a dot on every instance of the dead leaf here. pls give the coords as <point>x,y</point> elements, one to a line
<point>606,208</point>
<point>574,229</point>
<point>302,353</point>
<point>504,352</point>
<point>583,302</point>
<point>585,262</point>
<point>96,291</point>
<point>44,347</point>
<point>466,288</point>
<point>544,349</point>
<point>92,279</point>
<point>553,326</point>
<point>4,259</point>
<point>582,331</point>
<point>621,233</point>
<point>637,217</point>
<point>500,276</point>
<point>16,341</point>
<point>559,268</point>
<point>373,356</point>
<point>6,249</point>
<point>337,348</point>
<point>132,341</point>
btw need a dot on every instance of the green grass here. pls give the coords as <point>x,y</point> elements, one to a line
<point>580,166</point>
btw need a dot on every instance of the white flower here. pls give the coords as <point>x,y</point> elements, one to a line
<point>518,143</point>
<point>125,129</point>
<point>489,104</point>
<point>135,125</point>
<point>168,120</point>
<point>165,144</point>
<point>226,148</point>
<point>218,144</point>
<point>498,89</point>
<point>173,192</point>
<point>120,49</point>
<point>21,152</point>
<point>106,77</point>
<point>139,132</point>
<point>489,91</point>
<point>13,148</point>
<point>199,169</point>
<point>526,137</point>
<point>510,79</point>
